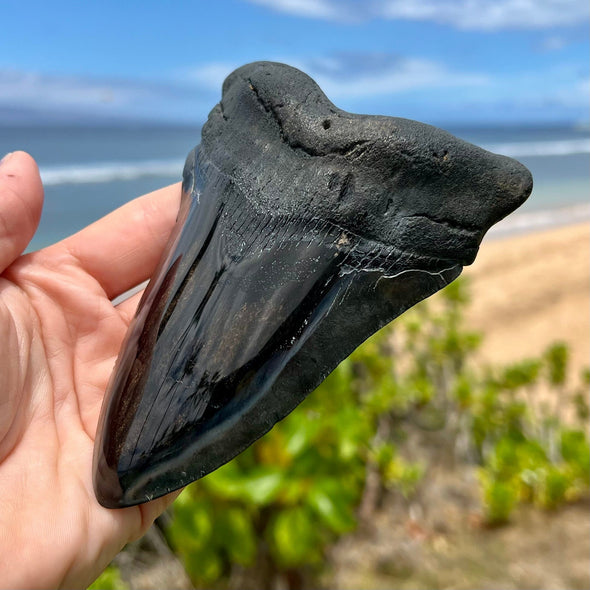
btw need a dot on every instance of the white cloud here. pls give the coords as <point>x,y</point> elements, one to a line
<point>572,95</point>
<point>324,9</point>
<point>354,80</point>
<point>553,43</point>
<point>211,75</point>
<point>404,75</point>
<point>356,75</point>
<point>490,14</point>
<point>463,14</point>
<point>527,92</point>
<point>79,96</point>
<point>33,89</point>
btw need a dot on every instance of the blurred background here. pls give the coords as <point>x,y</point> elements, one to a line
<point>464,465</point>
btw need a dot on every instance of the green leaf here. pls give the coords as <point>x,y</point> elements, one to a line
<point>259,486</point>
<point>463,390</point>
<point>235,533</point>
<point>575,450</point>
<point>557,357</point>
<point>521,374</point>
<point>301,437</point>
<point>333,504</point>
<point>457,292</point>
<point>499,500</point>
<point>554,487</point>
<point>192,526</point>
<point>204,566</point>
<point>293,537</point>
<point>110,579</point>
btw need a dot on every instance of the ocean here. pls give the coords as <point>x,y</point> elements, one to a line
<point>88,172</point>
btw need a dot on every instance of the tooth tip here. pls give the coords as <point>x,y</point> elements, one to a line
<point>106,487</point>
<point>107,495</point>
<point>111,494</point>
<point>109,490</point>
<point>117,487</point>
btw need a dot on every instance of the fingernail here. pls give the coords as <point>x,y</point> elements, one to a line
<point>6,158</point>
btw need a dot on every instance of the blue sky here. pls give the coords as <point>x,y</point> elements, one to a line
<point>439,61</point>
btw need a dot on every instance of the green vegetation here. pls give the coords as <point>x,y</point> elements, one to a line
<point>110,579</point>
<point>532,455</point>
<point>271,514</point>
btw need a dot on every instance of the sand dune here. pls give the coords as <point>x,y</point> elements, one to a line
<point>531,290</point>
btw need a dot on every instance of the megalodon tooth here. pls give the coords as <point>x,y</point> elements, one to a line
<point>302,230</point>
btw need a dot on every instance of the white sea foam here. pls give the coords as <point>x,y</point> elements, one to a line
<point>109,171</point>
<point>558,147</point>
<point>527,221</point>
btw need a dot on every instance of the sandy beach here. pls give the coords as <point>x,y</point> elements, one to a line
<point>531,290</point>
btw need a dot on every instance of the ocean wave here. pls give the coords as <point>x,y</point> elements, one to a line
<point>558,147</point>
<point>109,171</point>
<point>98,172</point>
<point>538,220</point>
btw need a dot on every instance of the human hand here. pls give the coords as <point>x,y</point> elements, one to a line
<point>59,338</point>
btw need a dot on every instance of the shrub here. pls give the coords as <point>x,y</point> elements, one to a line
<point>274,511</point>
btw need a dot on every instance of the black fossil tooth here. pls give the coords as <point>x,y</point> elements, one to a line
<point>303,229</point>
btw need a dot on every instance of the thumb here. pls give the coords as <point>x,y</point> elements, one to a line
<point>21,200</point>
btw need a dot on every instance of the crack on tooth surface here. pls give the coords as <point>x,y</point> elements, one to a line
<point>462,227</point>
<point>353,148</point>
